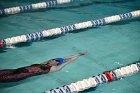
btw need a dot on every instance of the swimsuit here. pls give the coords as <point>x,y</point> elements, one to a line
<point>12,75</point>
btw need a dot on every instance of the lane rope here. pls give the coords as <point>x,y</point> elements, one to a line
<point>94,81</point>
<point>60,30</point>
<point>41,5</point>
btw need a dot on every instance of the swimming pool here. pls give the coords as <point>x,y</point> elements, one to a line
<point>109,46</point>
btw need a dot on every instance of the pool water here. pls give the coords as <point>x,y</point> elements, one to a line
<point>108,46</point>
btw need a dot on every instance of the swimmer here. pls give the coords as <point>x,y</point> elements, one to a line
<point>13,75</point>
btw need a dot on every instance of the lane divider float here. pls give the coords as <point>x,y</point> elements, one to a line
<point>60,30</point>
<point>94,81</point>
<point>24,8</point>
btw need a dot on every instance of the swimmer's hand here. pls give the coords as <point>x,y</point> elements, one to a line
<point>82,53</point>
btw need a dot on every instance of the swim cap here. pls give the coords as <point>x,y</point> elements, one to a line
<point>60,60</point>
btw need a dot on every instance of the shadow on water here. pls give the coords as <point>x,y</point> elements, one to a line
<point>2,50</point>
<point>125,22</point>
<point>89,90</point>
<point>11,84</point>
<point>19,45</point>
<point>27,44</point>
<point>26,80</point>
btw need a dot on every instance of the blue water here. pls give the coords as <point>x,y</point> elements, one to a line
<point>108,47</point>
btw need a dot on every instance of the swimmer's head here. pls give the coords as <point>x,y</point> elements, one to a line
<point>53,62</point>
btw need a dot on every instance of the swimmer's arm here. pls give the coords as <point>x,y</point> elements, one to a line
<point>72,58</point>
<point>59,67</point>
<point>69,60</point>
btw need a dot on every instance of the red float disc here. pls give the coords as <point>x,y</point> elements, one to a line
<point>1,44</point>
<point>109,76</point>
